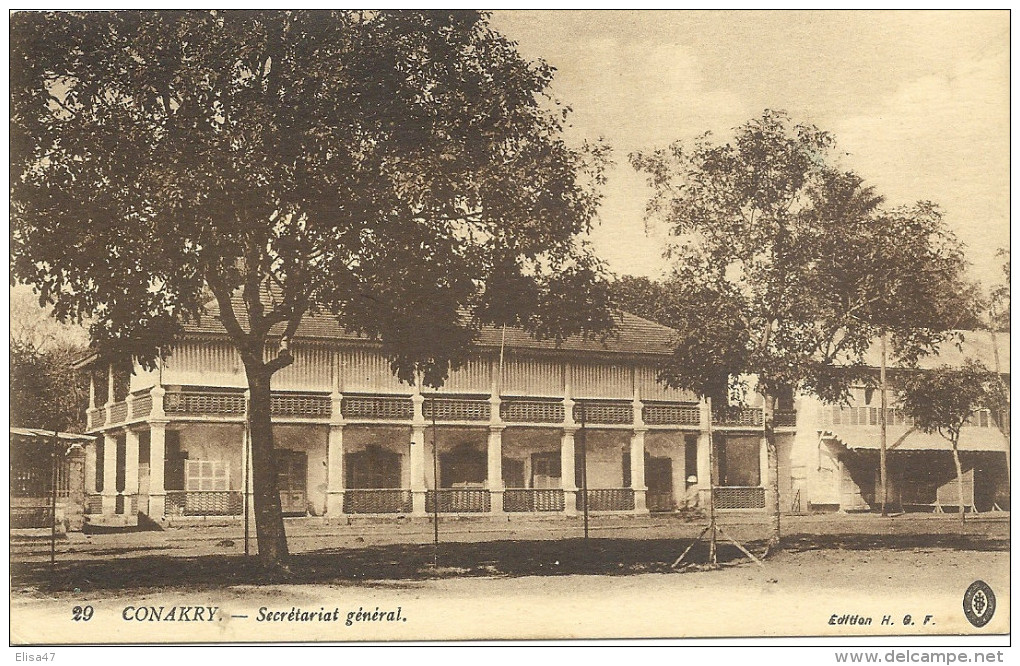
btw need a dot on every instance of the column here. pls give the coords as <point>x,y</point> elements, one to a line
<point>417,455</point>
<point>567,469</point>
<point>766,471</point>
<point>130,470</point>
<point>335,458</point>
<point>90,468</point>
<point>704,442</point>
<point>109,394</point>
<point>109,473</point>
<point>157,467</point>
<point>637,457</point>
<point>637,469</point>
<point>494,478</point>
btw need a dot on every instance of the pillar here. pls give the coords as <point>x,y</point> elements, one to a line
<point>335,471</point>
<point>417,465</point>
<point>637,470</point>
<point>704,442</point>
<point>494,477</point>
<point>157,466</point>
<point>567,470</point>
<point>90,468</point>
<point>130,469</point>
<point>109,473</point>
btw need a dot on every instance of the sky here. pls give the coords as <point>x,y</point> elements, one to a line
<point>918,102</point>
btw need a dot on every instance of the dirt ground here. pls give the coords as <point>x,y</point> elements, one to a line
<point>837,575</point>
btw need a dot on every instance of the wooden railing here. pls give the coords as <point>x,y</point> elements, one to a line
<point>203,402</point>
<point>607,499</point>
<point>118,412</point>
<point>784,418</point>
<point>93,504</point>
<point>314,405</point>
<point>739,497</point>
<point>671,414</point>
<point>456,409</point>
<point>377,408</point>
<point>96,417</point>
<point>604,413</point>
<point>458,500</point>
<point>750,417</point>
<point>532,499</point>
<point>142,406</point>
<point>204,503</point>
<point>514,410</point>
<point>377,500</point>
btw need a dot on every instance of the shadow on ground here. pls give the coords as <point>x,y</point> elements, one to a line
<point>416,562</point>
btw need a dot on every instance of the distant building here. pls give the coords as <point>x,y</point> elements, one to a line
<point>508,434</point>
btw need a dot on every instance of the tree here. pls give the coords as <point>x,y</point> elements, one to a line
<point>404,172</point>
<point>999,304</point>
<point>942,400</point>
<point>783,267</point>
<point>46,391</point>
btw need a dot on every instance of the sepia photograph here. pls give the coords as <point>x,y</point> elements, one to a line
<point>505,328</point>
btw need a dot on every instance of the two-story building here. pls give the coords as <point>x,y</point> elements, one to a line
<point>519,429</point>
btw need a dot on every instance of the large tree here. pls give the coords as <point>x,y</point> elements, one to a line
<point>402,171</point>
<point>786,268</point>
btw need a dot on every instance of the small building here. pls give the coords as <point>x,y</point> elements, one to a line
<point>47,472</point>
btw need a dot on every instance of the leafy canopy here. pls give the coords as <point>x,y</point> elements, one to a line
<point>786,267</point>
<point>403,171</point>
<point>943,399</point>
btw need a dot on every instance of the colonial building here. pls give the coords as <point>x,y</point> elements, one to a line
<point>519,429</point>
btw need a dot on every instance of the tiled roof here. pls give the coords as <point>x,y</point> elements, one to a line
<point>633,335</point>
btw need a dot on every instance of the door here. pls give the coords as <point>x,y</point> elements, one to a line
<point>545,470</point>
<point>292,480</point>
<point>659,479</point>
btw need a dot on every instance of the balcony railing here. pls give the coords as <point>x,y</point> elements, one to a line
<point>377,408</point>
<point>784,418</point>
<point>97,417</point>
<point>747,417</point>
<point>456,409</point>
<point>739,497</point>
<point>458,500</point>
<point>604,413</point>
<point>665,414</point>
<point>379,500</point>
<point>93,504</point>
<point>118,412</point>
<point>531,411</point>
<point>204,503</point>
<point>203,402</point>
<point>607,499</point>
<point>311,405</point>
<point>142,406</point>
<point>532,499</point>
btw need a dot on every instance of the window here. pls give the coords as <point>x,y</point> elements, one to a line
<point>207,475</point>
<point>738,461</point>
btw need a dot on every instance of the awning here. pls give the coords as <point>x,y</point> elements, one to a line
<point>900,438</point>
<point>48,434</point>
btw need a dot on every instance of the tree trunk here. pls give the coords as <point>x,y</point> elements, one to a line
<point>269,531</point>
<point>883,473</point>
<point>772,448</point>
<point>959,482</point>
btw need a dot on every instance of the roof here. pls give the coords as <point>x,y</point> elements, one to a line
<point>633,334</point>
<point>39,432</point>
<point>868,437</point>
<point>977,345</point>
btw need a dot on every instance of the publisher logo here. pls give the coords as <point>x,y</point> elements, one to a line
<point>979,603</point>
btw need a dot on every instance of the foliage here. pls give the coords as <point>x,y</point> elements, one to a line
<point>943,399</point>
<point>46,391</point>
<point>787,268</point>
<point>999,305</point>
<point>395,169</point>
<point>404,172</point>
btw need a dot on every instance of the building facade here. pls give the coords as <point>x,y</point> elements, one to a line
<point>520,429</point>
